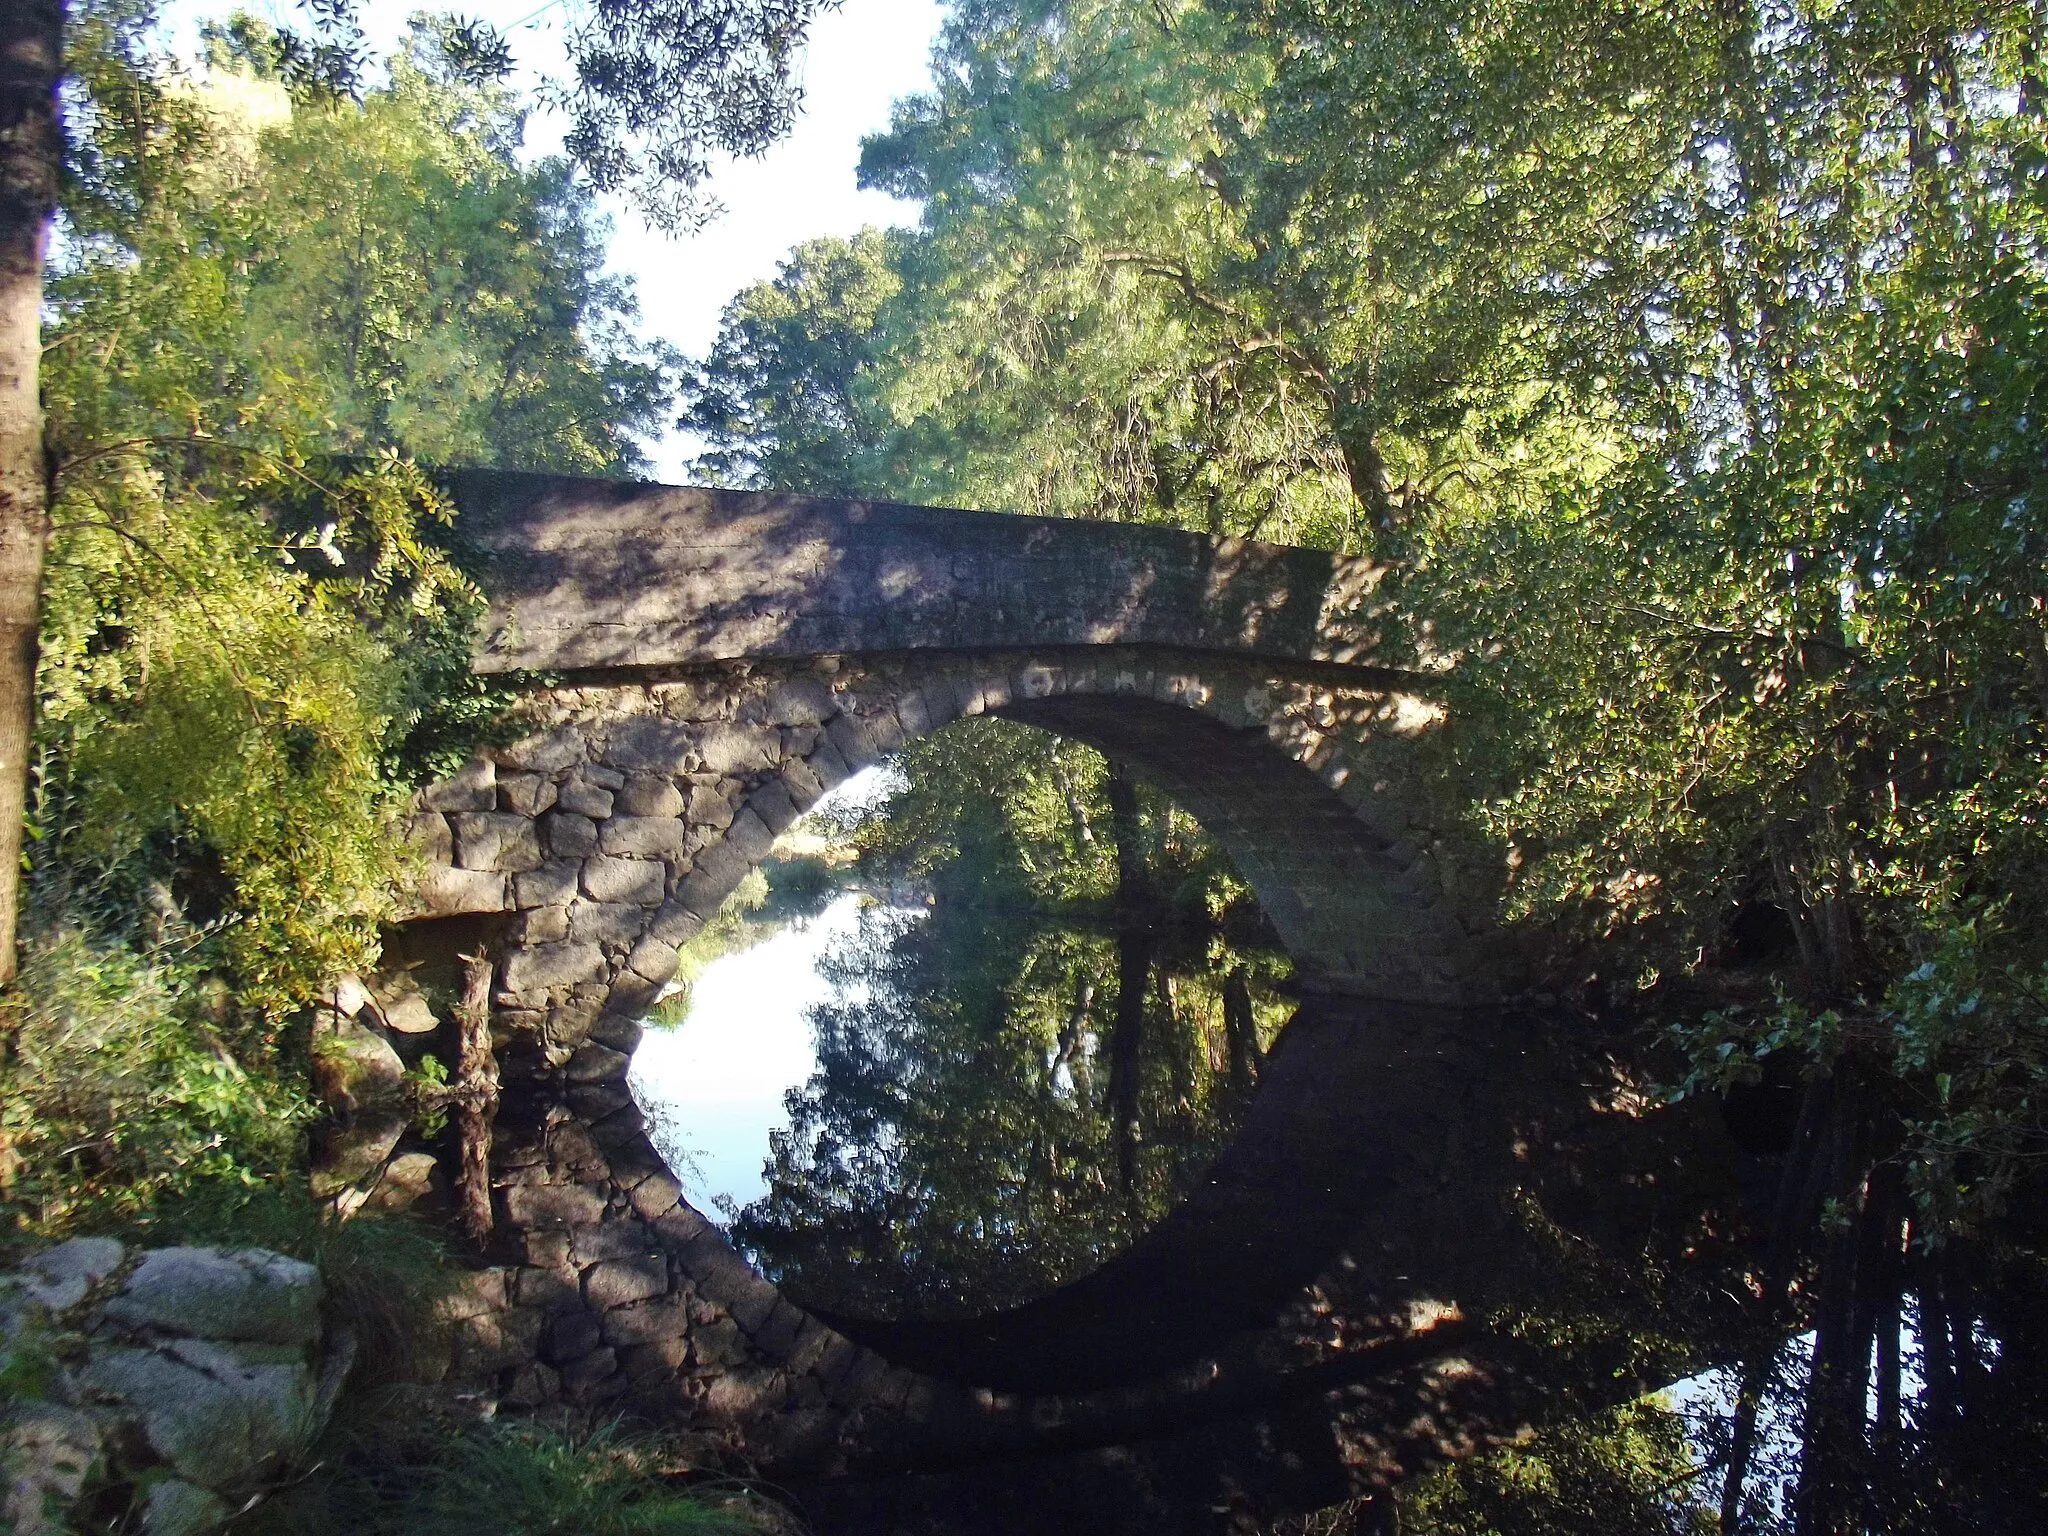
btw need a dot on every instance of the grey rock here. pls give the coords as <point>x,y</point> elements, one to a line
<point>472,787</point>
<point>647,837</point>
<point>210,1293</point>
<point>644,744</point>
<point>211,1413</point>
<point>527,794</point>
<point>355,1067</point>
<point>552,885</point>
<point>407,1179</point>
<point>648,795</point>
<point>734,749</point>
<point>428,833</point>
<point>585,799</point>
<point>354,1153</point>
<point>749,837</point>
<point>653,959</point>
<point>600,922</point>
<point>629,880</point>
<point>594,1063</point>
<point>542,925</point>
<point>495,840</point>
<point>619,1282</point>
<point>553,965</point>
<point>544,752</point>
<point>448,892</point>
<point>569,836</point>
<point>61,1277</point>
<point>553,1206</point>
<point>409,1014</point>
<point>800,701</point>
<point>708,808</point>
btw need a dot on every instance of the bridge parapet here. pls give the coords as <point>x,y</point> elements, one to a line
<point>603,575</point>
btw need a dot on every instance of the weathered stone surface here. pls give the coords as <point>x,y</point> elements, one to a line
<point>800,701</point>
<point>247,1295</point>
<point>749,837</point>
<point>556,1206</point>
<point>645,1322</point>
<point>585,799</point>
<point>653,959</point>
<point>772,804</point>
<point>428,834</point>
<point>618,1031</point>
<point>545,751</point>
<point>553,965</point>
<point>600,922</point>
<point>649,795</point>
<point>675,923</point>
<point>618,1282</point>
<point>568,836</point>
<point>551,885</point>
<point>542,925</point>
<point>647,745</point>
<point>212,1413</point>
<point>593,1063</point>
<point>623,880</point>
<point>60,1278</point>
<point>708,808</point>
<point>407,1179</point>
<point>647,837</point>
<point>472,787</point>
<point>495,840</point>
<point>408,1013</point>
<point>733,749</point>
<point>354,1067</point>
<point>528,794</point>
<point>656,1194</point>
<point>354,1151</point>
<point>446,892</point>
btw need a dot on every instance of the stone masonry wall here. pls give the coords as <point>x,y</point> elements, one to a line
<point>605,838</point>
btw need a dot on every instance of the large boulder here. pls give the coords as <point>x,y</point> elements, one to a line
<point>186,1378</point>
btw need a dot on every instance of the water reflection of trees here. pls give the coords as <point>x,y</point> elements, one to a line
<point>1022,1073</point>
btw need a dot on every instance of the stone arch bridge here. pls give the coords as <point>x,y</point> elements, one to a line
<point>698,667</point>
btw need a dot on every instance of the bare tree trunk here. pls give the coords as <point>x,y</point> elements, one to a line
<point>31,152</point>
<point>1126,1041</point>
<point>1134,967</point>
<point>476,1096</point>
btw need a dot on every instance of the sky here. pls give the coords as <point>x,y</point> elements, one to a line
<point>714,1085</point>
<point>861,58</point>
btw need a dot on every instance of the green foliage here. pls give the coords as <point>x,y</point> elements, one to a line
<point>252,648</point>
<point>450,1479</point>
<point>1627,1471</point>
<point>128,1101</point>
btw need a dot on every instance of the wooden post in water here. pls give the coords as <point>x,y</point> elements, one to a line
<point>476,1096</point>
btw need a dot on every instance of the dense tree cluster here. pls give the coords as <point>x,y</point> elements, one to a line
<point>1684,364</point>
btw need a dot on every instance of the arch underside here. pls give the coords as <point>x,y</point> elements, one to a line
<point>1298,1312</point>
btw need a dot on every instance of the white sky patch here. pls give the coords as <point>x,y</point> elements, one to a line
<point>713,1085</point>
<point>861,59</point>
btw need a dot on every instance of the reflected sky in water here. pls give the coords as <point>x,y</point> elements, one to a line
<point>714,1084</point>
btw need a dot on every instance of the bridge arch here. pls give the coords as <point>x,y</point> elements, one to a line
<point>698,669</point>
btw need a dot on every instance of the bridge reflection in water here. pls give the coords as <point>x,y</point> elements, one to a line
<point>1435,1221</point>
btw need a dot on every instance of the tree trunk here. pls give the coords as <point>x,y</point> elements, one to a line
<point>1241,1030</point>
<point>1126,1039</point>
<point>31,151</point>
